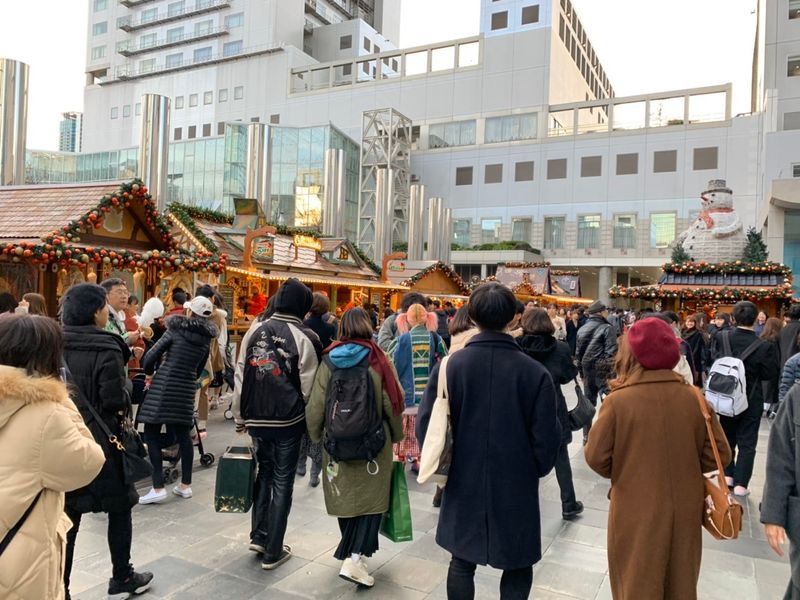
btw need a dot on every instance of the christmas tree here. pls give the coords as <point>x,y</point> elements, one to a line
<point>679,254</point>
<point>756,250</point>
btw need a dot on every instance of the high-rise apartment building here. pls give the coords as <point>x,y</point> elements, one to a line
<point>70,129</point>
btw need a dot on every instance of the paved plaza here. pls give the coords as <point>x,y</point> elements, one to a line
<point>196,553</point>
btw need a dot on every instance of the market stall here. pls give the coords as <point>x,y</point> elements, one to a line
<point>539,282</point>
<point>434,279</point>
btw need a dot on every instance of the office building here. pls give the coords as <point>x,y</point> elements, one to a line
<point>70,130</point>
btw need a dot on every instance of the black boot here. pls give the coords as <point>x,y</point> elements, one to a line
<point>570,511</point>
<point>437,497</point>
<point>135,584</point>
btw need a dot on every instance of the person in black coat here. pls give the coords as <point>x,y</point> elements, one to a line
<point>538,342</point>
<point>169,401</point>
<point>789,335</point>
<point>505,437</point>
<point>95,360</point>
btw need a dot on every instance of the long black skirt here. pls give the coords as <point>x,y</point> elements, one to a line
<point>359,536</point>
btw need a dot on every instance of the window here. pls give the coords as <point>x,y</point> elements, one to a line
<point>521,230</point>
<point>221,128</point>
<point>367,44</point>
<point>137,110</point>
<point>523,171</point>
<point>149,15</point>
<point>662,229</point>
<point>530,14</point>
<point>557,168</point>
<point>100,28</point>
<point>208,98</point>
<point>114,112</point>
<point>174,60</point>
<point>588,231</point>
<point>376,49</point>
<point>493,174</point>
<point>554,232</point>
<point>705,158</point>
<point>192,132</point>
<point>174,9</point>
<point>445,135</point>
<point>148,41</point>
<point>98,52</point>
<point>207,130</point>
<point>178,102</point>
<point>123,46</point>
<point>365,67</point>
<point>345,42</point>
<point>203,27</point>
<point>192,100</point>
<point>347,69</point>
<point>178,134</point>
<point>463,175</point>
<point>624,231</point>
<point>665,161</point>
<point>794,9</point>
<point>791,120</point>
<point>627,164</point>
<point>793,67</point>
<point>591,166</point>
<point>796,170</point>
<point>499,20</point>
<point>275,119</point>
<point>100,5</point>
<point>255,119</point>
<point>232,21</point>
<point>126,111</point>
<point>490,230</point>
<point>202,54</point>
<point>461,229</point>
<point>510,128</point>
<point>232,48</point>
<point>238,92</point>
<point>174,35</point>
<point>147,66</point>
<point>222,95</point>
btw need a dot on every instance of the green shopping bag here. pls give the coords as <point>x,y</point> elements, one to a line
<point>236,475</point>
<point>396,523</point>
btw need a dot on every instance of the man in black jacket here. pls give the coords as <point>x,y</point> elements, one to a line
<point>274,375</point>
<point>788,341</point>
<point>762,364</point>
<point>595,349</point>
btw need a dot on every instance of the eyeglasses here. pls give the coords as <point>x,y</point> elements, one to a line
<point>120,291</point>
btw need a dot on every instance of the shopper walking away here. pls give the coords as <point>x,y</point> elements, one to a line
<point>178,360</point>
<point>538,343</point>
<point>96,361</point>
<point>274,376</point>
<point>505,437</point>
<point>771,334</point>
<point>789,376</point>
<point>8,304</point>
<point>441,320</point>
<point>35,304</point>
<point>461,328</point>
<point>357,490</point>
<point>761,363</point>
<point>217,352</point>
<point>697,339</point>
<point>790,345</point>
<point>45,450</point>
<point>650,439</point>
<point>388,330</point>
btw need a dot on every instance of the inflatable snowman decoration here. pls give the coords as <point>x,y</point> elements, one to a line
<point>717,234</point>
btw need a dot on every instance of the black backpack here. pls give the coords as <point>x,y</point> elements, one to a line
<point>353,428</point>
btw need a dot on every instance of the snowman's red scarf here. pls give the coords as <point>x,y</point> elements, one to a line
<point>705,215</point>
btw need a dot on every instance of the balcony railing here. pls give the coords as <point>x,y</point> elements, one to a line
<point>202,7</point>
<point>134,3</point>
<point>164,43</point>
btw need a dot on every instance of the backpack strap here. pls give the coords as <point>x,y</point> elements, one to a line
<point>750,349</point>
<point>726,344</point>
<point>433,353</point>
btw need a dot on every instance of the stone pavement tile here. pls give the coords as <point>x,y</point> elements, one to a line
<point>605,590</point>
<point>81,580</point>
<point>773,571</point>
<point>487,587</point>
<point>383,590</point>
<point>590,558</point>
<point>212,551</point>
<point>247,565</point>
<point>311,544</point>
<point>218,585</point>
<point>387,550</point>
<point>770,591</point>
<point>314,581</point>
<point>722,585</point>
<point>171,574</point>
<point>567,579</point>
<point>425,547</point>
<point>576,531</point>
<point>728,562</point>
<point>743,546</point>
<point>412,572</point>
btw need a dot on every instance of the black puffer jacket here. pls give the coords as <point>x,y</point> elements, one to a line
<point>96,362</point>
<point>596,344</point>
<point>182,352</point>
<point>556,358</point>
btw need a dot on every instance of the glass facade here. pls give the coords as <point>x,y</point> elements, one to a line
<point>791,244</point>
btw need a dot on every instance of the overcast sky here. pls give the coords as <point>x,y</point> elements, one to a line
<point>645,46</point>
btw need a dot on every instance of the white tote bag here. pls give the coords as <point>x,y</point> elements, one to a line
<point>437,451</point>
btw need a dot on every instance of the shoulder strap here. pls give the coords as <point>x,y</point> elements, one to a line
<point>18,525</point>
<point>750,349</point>
<point>726,343</point>
<point>441,384</point>
<point>111,437</point>
<point>712,440</point>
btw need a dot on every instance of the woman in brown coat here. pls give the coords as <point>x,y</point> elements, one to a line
<point>650,440</point>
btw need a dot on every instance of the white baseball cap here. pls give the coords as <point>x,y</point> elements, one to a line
<point>200,306</point>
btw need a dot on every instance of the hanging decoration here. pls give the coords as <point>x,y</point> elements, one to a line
<point>442,268</point>
<point>738,267</point>
<point>187,214</point>
<point>720,294</point>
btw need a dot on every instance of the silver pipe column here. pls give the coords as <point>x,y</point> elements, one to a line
<point>384,213</point>
<point>258,168</point>
<point>13,120</point>
<point>416,223</point>
<point>154,146</point>
<point>446,228</point>
<point>333,178</point>
<point>434,228</point>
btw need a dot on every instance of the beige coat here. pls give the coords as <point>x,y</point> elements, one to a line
<point>460,340</point>
<point>44,445</point>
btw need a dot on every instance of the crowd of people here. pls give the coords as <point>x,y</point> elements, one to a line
<point>353,395</point>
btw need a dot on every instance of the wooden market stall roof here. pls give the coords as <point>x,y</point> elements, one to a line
<point>429,277</point>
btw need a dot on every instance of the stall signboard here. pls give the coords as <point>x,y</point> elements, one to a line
<point>263,249</point>
<point>535,278</point>
<point>307,241</point>
<point>566,285</point>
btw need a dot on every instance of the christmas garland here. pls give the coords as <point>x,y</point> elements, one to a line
<point>369,262</point>
<point>439,266</point>
<point>187,214</point>
<point>726,294</point>
<point>527,265</point>
<point>558,273</point>
<point>730,268</point>
<point>202,214</point>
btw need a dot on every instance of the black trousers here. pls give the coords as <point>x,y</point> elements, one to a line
<point>277,462</point>
<point>514,585</point>
<point>564,477</point>
<point>156,443</point>
<point>120,536</point>
<point>742,434</point>
<point>591,385</point>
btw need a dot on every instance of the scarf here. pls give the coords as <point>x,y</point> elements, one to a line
<point>379,362</point>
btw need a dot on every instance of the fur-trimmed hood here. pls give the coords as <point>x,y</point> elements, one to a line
<point>192,327</point>
<point>17,389</point>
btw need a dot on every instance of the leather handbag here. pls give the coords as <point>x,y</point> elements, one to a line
<point>437,451</point>
<point>583,413</point>
<point>722,514</point>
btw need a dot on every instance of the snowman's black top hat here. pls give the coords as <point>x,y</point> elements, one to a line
<point>717,185</point>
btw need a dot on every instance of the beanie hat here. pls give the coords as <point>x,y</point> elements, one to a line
<point>596,307</point>
<point>200,306</point>
<point>293,298</point>
<point>81,302</point>
<point>654,344</point>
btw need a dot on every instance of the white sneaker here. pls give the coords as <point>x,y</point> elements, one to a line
<point>356,572</point>
<point>182,492</point>
<point>153,497</point>
<point>741,491</point>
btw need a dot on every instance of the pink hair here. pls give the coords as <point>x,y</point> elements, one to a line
<point>431,322</point>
